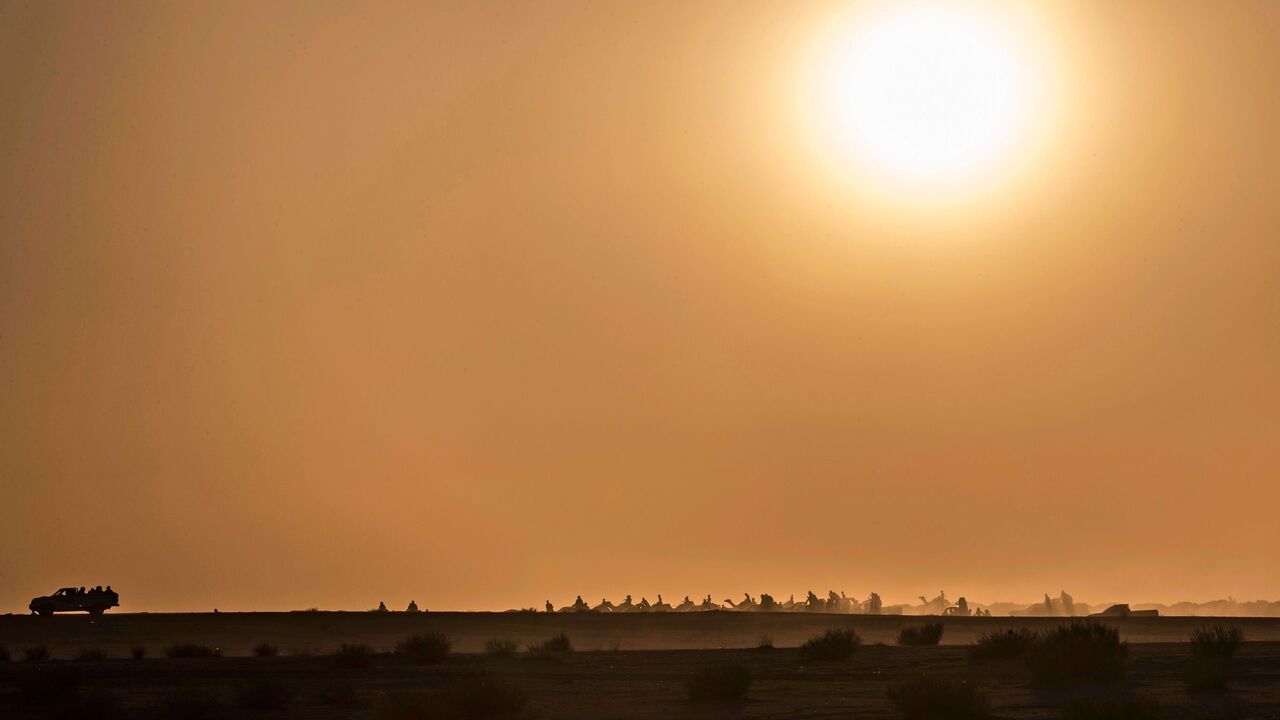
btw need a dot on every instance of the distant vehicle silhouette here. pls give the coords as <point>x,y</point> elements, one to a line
<point>69,599</point>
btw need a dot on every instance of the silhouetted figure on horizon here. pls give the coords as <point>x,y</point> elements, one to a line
<point>413,606</point>
<point>550,608</point>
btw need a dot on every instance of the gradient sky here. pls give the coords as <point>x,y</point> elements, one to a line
<point>320,304</point>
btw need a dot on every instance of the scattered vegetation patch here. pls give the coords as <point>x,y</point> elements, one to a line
<point>91,655</point>
<point>1124,706</point>
<point>1217,642</point>
<point>555,644</point>
<point>36,653</point>
<point>764,643</point>
<point>926,698</point>
<point>831,645</point>
<point>4,654</point>
<point>425,647</point>
<point>469,697</point>
<point>1079,652</point>
<point>138,652</point>
<point>719,683</point>
<point>265,695</point>
<point>926,634</point>
<point>265,650</point>
<point>351,655</point>
<point>1212,650</point>
<point>1003,645</point>
<point>499,647</point>
<point>191,650</point>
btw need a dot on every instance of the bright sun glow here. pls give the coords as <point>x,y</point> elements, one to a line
<point>922,95</point>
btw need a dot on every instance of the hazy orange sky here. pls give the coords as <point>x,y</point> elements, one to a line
<point>320,304</point>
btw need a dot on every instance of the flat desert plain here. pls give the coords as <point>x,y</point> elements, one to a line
<point>622,666</point>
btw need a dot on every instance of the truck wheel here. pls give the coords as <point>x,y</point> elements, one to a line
<point>97,611</point>
<point>45,612</point>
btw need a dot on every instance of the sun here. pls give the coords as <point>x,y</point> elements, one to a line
<point>922,95</point>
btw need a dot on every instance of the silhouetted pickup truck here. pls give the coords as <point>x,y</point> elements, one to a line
<point>94,602</point>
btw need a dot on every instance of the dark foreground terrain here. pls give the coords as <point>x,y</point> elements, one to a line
<point>595,680</point>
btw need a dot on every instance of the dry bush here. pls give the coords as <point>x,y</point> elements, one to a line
<point>1006,645</point>
<point>351,655</point>
<point>36,653</point>
<point>555,644</point>
<point>264,649</point>
<point>1079,652</point>
<point>91,655</point>
<point>927,634</point>
<point>499,647</point>
<point>138,652</point>
<point>1217,642</point>
<point>191,650</point>
<point>831,645</point>
<point>425,647</point>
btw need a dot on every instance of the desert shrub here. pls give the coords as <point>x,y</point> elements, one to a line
<point>138,652</point>
<point>265,695</point>
<point>719,683</point>
<point>499,647</point>
<point>265,650</point>
<point>91,655</point>
<point>425,647</point>
<point>1217,642</point>
<point>1111,707</point>
<point>188,704</point>
<point>36,653</point>
<point>555,643</point>
<point>1006,645</point>
<point>1079,652</point>
<point>191,650</point>
<point>831,645</point>
<point>351,655</point>
<point>469,697</point>
<point>926,634</point>
<point>926,698</point>
<point>764,643</point>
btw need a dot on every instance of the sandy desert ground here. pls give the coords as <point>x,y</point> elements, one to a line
<point>623,666</point>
